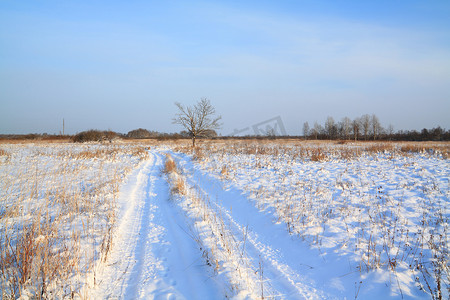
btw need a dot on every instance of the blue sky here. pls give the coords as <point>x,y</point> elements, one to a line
<point>121,65</point>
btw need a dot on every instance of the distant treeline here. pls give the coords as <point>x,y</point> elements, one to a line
<point>368,127</point>
<point>364,128</point>
<point>94,135</point>
<point>98,135</point>
<point>33,136</point>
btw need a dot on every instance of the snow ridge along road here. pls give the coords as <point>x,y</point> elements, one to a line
<point>154,255</point>
<point>268,244</point>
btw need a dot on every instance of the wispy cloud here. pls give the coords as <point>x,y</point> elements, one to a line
<point>269,61</point>
<point>334,49</point>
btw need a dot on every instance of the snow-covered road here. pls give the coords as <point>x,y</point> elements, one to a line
<point>154,254</point>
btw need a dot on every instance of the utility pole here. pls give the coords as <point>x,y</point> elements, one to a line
<point>63,126</point>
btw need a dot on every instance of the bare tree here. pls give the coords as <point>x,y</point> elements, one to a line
<point>390,131</point>
<point>356,127</point>
<point>305,130</point>
<point>346,125</point>
<point>198,120</point>
<point>330,128</point>
<point>376,126</point>
<point>365,123</point>
<point>317,130</point>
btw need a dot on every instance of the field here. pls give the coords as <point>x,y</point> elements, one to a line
<point>280,219</point>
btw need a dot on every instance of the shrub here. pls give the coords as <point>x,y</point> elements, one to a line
<point>170,166</point>
<point>141,134</point>
<point>94,136</point>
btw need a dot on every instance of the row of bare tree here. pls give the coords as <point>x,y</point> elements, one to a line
<point>365,127</point>
<point>368,127</point>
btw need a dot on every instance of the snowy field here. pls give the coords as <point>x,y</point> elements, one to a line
<point>57,214</point>
<point>242,220</point>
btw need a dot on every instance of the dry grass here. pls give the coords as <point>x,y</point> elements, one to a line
<point>377,148</point>
<point>57,214</point>
<point>33,141</point>
<point>431,148</point>
<point>178,186</point>
<point>325,150</point>
<point>224,171</point>
<point>171,170</point>
<point>317,155</point>
<point>169,165</point>
<point>198,154</point>
<point>101,153</point>
<point>376,228</point>
<point>416,149</point>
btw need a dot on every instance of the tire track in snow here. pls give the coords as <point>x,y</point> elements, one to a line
<point>109,280</point>
<point>153,256</point>
<point>146,265</point>
<point>182,274</point>
<point>281,266</point>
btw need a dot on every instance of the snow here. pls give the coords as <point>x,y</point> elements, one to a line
<point>241,221</point>
<point>369,214</point>
<point>159,252</point>
<point>261,236</point>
